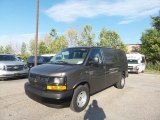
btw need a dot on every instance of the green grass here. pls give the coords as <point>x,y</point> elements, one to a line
<point>152,71</point>
<point>152,68</point>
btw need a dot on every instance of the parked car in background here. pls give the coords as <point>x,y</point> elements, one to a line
<point>48,57</point>
<point>76,73</point>
<point>40,60</point>
<point>11,67</point>
<point>136,62</point>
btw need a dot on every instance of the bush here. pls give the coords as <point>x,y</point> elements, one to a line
<point>151,66</point>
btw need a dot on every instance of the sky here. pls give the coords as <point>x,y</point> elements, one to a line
<point>129,18</point>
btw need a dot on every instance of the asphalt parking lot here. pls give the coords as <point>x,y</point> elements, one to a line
<point>139,100</point>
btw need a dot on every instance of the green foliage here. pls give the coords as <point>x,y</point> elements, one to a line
<point>153,67</point>
<point>1,50</point>
<point>23,48</point>
<point>8,49</point>
<point>24,56</point>
<point>42,48</point>
<point>58,44</point>
<point>32,47</point>
<point>151,43</point>
<point>72,36</point>
<point>53,33</point>
<point>53,43</point>
<point>110,39</point>
<point>48,43</point>
<point>87,37</point>
<point>156,22</point>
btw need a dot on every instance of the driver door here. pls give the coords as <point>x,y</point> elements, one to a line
<point>96,71</point>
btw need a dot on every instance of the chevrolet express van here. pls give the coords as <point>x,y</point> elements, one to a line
<point>74,74</point>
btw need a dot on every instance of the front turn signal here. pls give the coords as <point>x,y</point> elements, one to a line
<point>58,88</point>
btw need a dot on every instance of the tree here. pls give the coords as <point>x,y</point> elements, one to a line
<point>156,22</point>
<point>42,49</point>
<point>151,45</point>
<point>1,49</point>
<point>72,36</point>
<point>59,43</point>
<point>87,37</point>
<point>8,49</point>
<point>48,43</point>
<point>151,41</point>
<point>23,48</point>
<point>111,39</point>
<point>32,47</point>
<point>53,33</point>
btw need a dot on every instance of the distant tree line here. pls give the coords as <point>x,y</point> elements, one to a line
<point>52,43</point>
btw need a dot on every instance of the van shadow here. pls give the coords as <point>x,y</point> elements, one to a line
<point>94,112</point>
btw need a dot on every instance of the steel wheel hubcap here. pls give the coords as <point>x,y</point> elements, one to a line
<point>122,82</point>
<point>81,99</point>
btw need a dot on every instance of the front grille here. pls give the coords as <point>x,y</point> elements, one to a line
<point>15,67</point>
<point>38,81</point>
<point>130,67</point>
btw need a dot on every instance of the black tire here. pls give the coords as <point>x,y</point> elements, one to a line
<point>120,84</point>
<point>137,72</point>
<point>74,104</point>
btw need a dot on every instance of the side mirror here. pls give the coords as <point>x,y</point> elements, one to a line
<point>95,60</point>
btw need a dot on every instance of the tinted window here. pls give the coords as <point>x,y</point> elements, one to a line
<point>47,59</point>
<point>8,58</point>
<point>110,56</point>
<point>39,59</point>
<point>121,56</point>
<point>95,52</point>
<point>143,60</point>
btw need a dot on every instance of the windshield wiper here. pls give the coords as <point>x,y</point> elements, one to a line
<point>60,61</point>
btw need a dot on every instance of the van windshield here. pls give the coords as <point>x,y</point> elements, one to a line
<point>70,56</point>
<point>132,61</point>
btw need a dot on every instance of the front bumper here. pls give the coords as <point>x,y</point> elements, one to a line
<point>133,70</point>
<point>49,98</point>
<point>13,74</point>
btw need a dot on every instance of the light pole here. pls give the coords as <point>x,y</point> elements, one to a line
<point>36,36</point>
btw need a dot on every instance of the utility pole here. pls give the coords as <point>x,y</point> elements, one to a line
<point>36,36</point>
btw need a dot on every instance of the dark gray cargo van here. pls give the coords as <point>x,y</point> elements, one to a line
<point>74,74</point>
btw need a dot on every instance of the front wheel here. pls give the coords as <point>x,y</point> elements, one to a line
<point>120,84</point>
<point>80,98</point>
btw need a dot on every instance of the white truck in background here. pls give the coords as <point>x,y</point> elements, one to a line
<point>136,62</point>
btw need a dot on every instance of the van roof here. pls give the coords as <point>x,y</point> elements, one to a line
<point>91,47</point>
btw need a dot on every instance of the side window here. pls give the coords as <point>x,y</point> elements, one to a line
<point>143,60</point>
<point>111,57</point>
<point>95,52</point>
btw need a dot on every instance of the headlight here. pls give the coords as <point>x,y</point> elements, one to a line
<point>2,67</point>
<point>137,67</point>
<point>57,81</point>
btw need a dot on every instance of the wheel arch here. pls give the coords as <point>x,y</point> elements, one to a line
<point>81,83</point>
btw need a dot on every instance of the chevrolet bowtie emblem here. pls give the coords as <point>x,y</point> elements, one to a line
<point>15,67</point>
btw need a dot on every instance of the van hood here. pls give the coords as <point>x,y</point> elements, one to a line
<point>12,63</point>
<point>53,69</point>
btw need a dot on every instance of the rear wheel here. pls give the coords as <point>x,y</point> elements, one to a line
<point>80,98</point>
<point>120,84</point>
